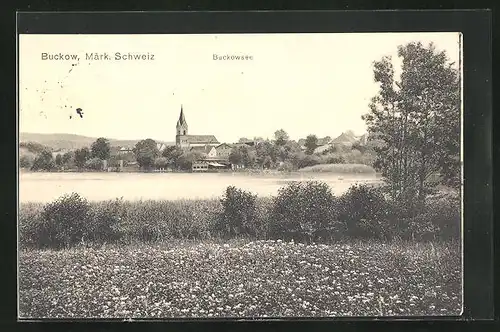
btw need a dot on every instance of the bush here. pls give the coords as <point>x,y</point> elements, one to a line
<point>150,221</point>
<point>64,221</point>
<point>439,219</point>
<point>238,213</point>
<point>300,211</point>
<point>30,224</point>
<point>365,212</point>
<point>445,213</point>
<point>188,219</point>
<point>103,224</point>
<point>303,211</point>
<point>335,160</point>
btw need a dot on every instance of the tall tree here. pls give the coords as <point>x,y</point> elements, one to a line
<point>160,162</point>
<point>172,154</point>
<point>59,160</point>
<point>100,149</point>
<point>281,137</point>
<point>68,158</point>
<point>241,155</point>
<point>417,119</point>
<point>186,160</point>
<point>81,157</point>
<point>311,144</point>
<point>43,161</point>
<point>146,152</point>
<point>265,154</point>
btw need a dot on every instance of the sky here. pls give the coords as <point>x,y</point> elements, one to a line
<point>303,83</point>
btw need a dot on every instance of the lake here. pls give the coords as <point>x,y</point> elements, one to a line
<point>45,187</point>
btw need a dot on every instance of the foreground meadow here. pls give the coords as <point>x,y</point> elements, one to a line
<point>240,278</point>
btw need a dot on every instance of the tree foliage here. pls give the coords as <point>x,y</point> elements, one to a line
<point>281,137</point>
<point>161,162</point>
<point>43,162</point>
<point>68,159</point>
<point>100,149</point>
<point>25,162</point>
<point>185,160</point>
<point>172,154</point>
<point>81,157</point>
<point>241,155</point>
<point>311,144</point>
<point>265,154</point>
<point>417,119</point>
<point>146,152</point>
<point>59,160</point>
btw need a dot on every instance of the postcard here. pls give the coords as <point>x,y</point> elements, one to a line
<point>166,176</point>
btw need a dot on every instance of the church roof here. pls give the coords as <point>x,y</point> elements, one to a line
<point>201,139</point>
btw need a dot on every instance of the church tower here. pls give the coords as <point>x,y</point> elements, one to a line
<point>182,129</point>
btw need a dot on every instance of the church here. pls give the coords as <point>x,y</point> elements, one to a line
<point>185,141</point>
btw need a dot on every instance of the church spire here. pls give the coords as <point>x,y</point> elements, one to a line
<point>182,119</point>
<point>182,127</point>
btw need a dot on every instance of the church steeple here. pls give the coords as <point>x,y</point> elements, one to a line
<point>182,127</point>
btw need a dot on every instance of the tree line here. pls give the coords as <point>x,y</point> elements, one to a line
<point>83,158</point>
<point>285,154</point>
<point>280,153</point>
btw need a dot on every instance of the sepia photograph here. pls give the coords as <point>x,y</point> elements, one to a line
<point>246,176</point>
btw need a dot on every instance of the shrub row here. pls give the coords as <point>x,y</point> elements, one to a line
<point>303,211</point>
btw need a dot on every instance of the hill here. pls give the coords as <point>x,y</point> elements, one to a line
<point>71,141</point>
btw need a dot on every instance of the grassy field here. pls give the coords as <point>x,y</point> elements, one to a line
<point>241,279</point>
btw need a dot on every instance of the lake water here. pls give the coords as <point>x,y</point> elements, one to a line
<point>44,187</point>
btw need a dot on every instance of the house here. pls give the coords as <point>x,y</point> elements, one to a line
<point>323,141</point>
<point>223,150</point>
<point>124,150</point>
<point>206,150</point>
<point>346,139</point>
<point>186,141</point>
<point>161,147</point>
<point>208,165</point>
<point>59,152</point>
<point>322,148</point>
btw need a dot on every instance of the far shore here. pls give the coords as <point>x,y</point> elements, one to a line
<point>328,169</point>
<point>259,173</point>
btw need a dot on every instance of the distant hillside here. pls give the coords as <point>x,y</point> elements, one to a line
<point>71,141</point>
